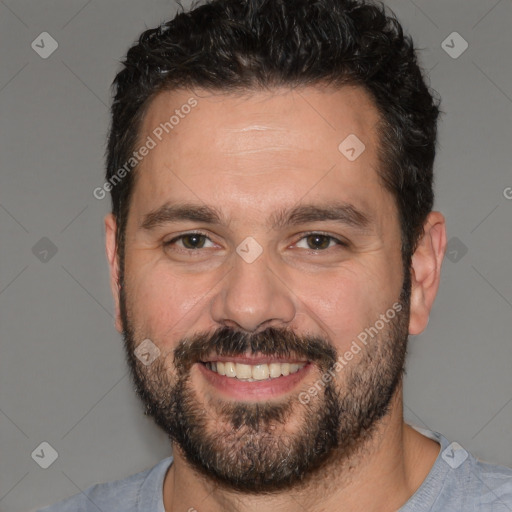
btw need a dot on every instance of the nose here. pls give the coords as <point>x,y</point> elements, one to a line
<point>253,297</point>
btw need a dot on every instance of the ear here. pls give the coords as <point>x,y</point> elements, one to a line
<point>113,263</point>
<point>426,271</point>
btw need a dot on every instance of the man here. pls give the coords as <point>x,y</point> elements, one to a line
<point>272,244</point>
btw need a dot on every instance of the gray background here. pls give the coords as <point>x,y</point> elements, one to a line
<point>63,379</point>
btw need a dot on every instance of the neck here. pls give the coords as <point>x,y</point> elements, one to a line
<point>381,475</point>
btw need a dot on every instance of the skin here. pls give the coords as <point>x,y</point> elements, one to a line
<point>250,156</point>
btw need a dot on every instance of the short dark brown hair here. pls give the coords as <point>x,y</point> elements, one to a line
<point>237,45</point>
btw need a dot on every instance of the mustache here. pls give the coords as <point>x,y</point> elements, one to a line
<point>273,341</point>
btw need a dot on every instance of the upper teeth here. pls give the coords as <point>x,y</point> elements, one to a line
<point>254,372</point>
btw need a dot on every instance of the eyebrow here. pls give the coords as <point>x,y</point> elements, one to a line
<point>339,211</point>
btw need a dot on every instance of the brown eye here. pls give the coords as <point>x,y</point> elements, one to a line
<point>193,241</point>
<point>318,242</point>
<point>189,242</point>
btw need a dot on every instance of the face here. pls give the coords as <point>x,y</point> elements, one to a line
<point>258,253</point>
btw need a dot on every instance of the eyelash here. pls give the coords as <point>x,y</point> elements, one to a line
<point>304,235</point>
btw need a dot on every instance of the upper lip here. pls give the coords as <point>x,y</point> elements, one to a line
<point>253,359</point>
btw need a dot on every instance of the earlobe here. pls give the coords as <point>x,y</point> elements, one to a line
<point>113,262</point>
<point>426,271</point>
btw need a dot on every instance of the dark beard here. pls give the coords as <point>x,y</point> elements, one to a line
<point>245,446</point>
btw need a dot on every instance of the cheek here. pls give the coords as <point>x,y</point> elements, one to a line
<point>163,303</point>
<point>345,304</point>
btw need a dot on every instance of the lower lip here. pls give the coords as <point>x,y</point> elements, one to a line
<point>256,390</point>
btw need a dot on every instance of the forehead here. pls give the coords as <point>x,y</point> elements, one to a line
<point>260,149</point>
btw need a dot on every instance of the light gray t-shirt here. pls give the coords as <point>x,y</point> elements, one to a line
<point>457,482</point>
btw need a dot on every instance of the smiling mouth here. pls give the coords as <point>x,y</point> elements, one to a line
<point>254,372</point>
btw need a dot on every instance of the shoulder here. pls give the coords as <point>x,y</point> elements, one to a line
<point>479,485</point>
<point>120,495</point>
<point>459,481</point>
<point>490,484</point>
